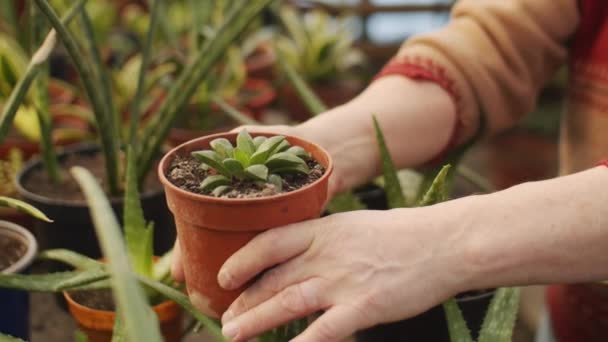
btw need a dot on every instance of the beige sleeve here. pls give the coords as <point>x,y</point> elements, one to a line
<point>497,54</point>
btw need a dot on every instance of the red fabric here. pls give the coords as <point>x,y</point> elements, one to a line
<point>427,70</point>
<point>579,313</point>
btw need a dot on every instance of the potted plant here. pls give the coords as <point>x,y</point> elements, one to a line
<point>242,193</point>
<point>97,85</point>
<point>18,249</point>
<point>321,50</point>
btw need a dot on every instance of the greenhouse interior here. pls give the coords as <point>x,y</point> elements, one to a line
<point>301,170</point>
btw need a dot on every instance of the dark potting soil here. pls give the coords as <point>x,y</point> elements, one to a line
<point>95,299</point>
<point>11,250</point>
<point>185,172</point>
<point>39,183</point>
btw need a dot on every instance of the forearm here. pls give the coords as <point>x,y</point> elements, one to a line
<point>416,117</point>
<point>553,231</point>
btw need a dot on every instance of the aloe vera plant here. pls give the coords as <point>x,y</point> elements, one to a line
<point>262,159</point>
<point>501,314</point>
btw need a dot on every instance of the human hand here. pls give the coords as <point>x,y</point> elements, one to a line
<point>361,268</point>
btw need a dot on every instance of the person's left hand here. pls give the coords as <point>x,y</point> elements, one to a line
<point>361,268</point>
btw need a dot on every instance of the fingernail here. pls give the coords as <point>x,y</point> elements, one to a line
<point>230,330</point>
<point>224,279</point>
<point>228,315</point>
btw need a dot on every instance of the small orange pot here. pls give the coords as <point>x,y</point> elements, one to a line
<point>98,324</point>
<point>211,229</point>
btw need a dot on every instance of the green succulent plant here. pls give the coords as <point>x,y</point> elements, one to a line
<point>260,159</point>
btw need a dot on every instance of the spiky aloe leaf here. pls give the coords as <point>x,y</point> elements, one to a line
<point>307,95</point>
<point>104,120</point>
<point>284,160</point>
<point>53,282</point>
<point>212,326</point>
<point>145,62</point>
<point>240,16</point>
<point>71,258</point>
<point>119,334</point>
<point>437,192</point>
<point>141,324</point>
<point>257,172</point>
<point>394,191</point>
<point>234,113</point>
<point>222,147</point>
<point>138,235</point>
<point>18,94</point>
<point>244,142</point>
<point>212,182</point>
<point>266,149</point>
<point>457,326</point>
<point>162,267</point>
<point>500,318</point>
<point>212,159</point>
<point>23,207</point>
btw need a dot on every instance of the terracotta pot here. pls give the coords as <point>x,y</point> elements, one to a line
<point>98,324</point>
<point>260,64</point>
<point>257,96</point>
<point>211,229</point>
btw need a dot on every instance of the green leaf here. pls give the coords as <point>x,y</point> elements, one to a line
<point>217,192</point>
<point>392,186</point>
<point>277,181</point>
<point>141,323</point>
<point>437,192</point>
<point>23,207</point>
<point>80,336</point>
<point>284,146</point>
<point>170,293</point>
<point>244,142</point>
<point>119,333</point>
<point>212,159</point>
<point>222,147</point>
<point>53,282</point>
<point>7,338</point>
<point>212,182</point>
<point>241,156</point>
<point>284,160</point>
<point>138,236</point>
<point>266,149</point>
<point>162,267</point>
<point>257,172</point>
<point>71,258</point>
<point>457,326</point>
<point>234,167</point>
<point>233,113</point>
<point>346,201</point>
<point>257,141</point>
<point>501,315</point>
<point>105,121</point>
<point>303,169</point>
<point>299,152</point>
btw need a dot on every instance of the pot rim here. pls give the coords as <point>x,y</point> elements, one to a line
<point>89,310</point>
<point>238,201</point>
<point>74,149</point>
<point>13,229</point>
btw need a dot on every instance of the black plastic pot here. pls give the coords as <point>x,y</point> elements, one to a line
<point>72,227</point>
<point>15,305</point>
<point>431,325</point>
